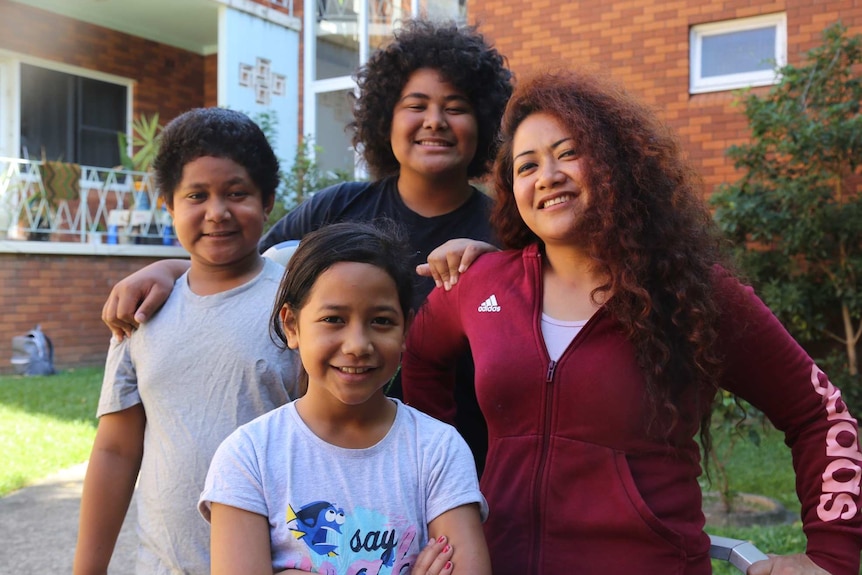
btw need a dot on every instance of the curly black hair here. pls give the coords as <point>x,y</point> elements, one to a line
<point>217,132</point>
<point>462,56</point>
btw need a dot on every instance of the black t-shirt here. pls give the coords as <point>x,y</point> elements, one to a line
<point>369,201</point>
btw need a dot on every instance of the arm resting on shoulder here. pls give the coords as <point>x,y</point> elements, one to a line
<point>135,298</point>
<point>108,487</point>
<point>448,261</point>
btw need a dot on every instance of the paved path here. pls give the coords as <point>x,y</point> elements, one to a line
<point>39,527</point>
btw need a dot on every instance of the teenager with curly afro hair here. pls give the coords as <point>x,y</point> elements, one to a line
<point>461,56</point>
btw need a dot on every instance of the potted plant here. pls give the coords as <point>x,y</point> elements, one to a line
<point>145,146</point>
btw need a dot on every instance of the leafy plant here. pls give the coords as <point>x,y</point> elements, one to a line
<point>794,215</point>
<point>734,420</point>
<point>145,134</point>
<point>304,177</point>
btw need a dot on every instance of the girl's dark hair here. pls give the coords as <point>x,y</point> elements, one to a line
<point>462,57</point>
<point>380,244</point>
<point>217,132</point>
<point>649,231</point>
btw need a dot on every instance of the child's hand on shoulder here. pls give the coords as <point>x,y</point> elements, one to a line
<point>448,261</point>
<point>435,558</point>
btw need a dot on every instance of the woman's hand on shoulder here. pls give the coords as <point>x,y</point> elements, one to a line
<point>799,564</point>
<point>448,261</point>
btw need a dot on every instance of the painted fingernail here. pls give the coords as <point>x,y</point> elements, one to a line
<point>441,539</point>
<point>446,549</point>
<point>448,565</point>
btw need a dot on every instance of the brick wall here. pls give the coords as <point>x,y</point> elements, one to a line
<point>65,295</point>
<point>167,80</point>
<point>211,80</point>
<point>644,44</point>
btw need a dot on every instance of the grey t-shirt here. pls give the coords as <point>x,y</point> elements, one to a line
<point>339,510</point>
<point>202,366</point>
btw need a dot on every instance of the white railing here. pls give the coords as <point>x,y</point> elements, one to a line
<point>57,202</point>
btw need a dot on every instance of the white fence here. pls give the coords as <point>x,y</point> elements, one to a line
<point>62,202</point>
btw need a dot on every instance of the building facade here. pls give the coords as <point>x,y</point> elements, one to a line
<point>685,58</point>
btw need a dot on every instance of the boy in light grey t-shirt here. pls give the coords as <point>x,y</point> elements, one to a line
<point>204,365</point>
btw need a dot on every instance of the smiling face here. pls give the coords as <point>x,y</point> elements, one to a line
<point>434,129</point>
<point>218,212</point>
<point>548,179</point>
<point>350,334</point>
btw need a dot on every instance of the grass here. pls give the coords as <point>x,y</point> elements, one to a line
<point>766,470</point>
<point>47,423</point>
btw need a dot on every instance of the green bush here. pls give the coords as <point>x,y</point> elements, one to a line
<point>794,218</point>
<point>303,178</point>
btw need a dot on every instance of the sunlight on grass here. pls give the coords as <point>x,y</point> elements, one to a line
<point>765,470</point>
<point>46,424</point>
<point>36,446</point>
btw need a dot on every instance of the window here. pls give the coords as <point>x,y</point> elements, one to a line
<point>737,53</point>
<point>71,118</point>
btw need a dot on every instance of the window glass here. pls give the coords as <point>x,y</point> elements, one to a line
<point>335,150</point>
<point>737,53</point>
<point>336,39</point>
<point>70,118</point>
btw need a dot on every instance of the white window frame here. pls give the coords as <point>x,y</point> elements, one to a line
<point>10,116</point>
<point>698,84</point>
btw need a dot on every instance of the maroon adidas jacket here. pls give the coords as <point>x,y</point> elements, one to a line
<point>574,480</point>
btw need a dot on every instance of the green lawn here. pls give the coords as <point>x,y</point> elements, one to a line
<point>48,423</point>
<point>765,470</point>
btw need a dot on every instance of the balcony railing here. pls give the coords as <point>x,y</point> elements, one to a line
<point>62,202</point>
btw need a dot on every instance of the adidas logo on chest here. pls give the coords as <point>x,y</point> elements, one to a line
<point>490,304</point>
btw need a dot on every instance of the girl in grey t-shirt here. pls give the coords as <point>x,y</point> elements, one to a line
<point>345,479</point>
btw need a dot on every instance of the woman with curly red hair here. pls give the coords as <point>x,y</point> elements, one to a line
<point>600,339</point>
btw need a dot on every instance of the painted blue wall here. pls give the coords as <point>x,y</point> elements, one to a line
<point>245,41</point>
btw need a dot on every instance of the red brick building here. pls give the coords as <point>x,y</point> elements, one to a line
<point>646,46</point>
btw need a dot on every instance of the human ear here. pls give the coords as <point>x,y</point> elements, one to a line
<point>268,205</point>
<point>290,326</point>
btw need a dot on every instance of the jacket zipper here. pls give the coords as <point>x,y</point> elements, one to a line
<point>540,470</point>
<point>546,434</point>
